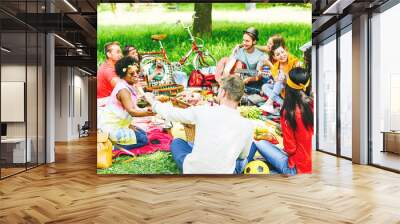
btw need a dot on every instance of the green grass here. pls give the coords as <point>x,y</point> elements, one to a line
<point>238,6</point>
<point>225,36</point>
<point>216,6</point>
<point>157,163</point>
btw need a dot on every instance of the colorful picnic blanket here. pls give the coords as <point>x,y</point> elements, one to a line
<point>158,141</point>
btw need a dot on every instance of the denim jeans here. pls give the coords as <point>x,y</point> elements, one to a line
<point>273,91</point>
<point>141,140</point>
<point>255,87</point>
<point>252,89</point>
<point>273,155</point>
<point>240,165</point>
<point>181,148</point>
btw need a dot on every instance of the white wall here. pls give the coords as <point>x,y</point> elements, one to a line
<point>61,103</point>
<point>14,73</point>
<point>71,94</point>
<point>80,97</point>
<point>34,125</point>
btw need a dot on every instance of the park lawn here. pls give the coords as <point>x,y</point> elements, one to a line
<point>160,162</point>
<point>239,6</point>
<point>215,6</point>
<point>225,35</point>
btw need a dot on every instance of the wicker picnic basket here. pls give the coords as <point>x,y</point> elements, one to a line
<point>165,89</point>
<point>190,129</point>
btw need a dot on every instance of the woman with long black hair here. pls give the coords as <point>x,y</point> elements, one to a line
<point>297,128</point>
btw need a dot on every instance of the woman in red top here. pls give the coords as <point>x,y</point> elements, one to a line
<point>297,129</point>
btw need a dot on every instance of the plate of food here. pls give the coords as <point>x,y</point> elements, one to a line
<point>163,98</point>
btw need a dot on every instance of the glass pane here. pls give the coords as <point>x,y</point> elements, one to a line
<point>385,86</point>
<point>31,101</point>
<point>13,77</point>
<point>41,99</point>
<point>327,96</point>
<point>346,94</point>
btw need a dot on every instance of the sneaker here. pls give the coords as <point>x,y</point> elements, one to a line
<point>268,108</point>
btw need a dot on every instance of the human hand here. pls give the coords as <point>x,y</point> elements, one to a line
<point>150,111</point>
<point>236,49</point>
<point>149,98</point>
<point>247,80</point>
<point>268,63</point>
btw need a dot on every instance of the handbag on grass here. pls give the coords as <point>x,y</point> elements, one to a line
<point>198,79</point>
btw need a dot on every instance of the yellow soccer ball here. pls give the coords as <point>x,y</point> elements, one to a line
<point>256,167</point>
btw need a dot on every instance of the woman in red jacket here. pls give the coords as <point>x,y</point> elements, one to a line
<point>297,129</point>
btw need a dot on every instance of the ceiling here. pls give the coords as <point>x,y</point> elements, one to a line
<point>74,22</point>
<point>328,15</point>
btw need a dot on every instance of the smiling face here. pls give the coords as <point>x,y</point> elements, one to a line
<point>132,74</point>
<point>280,55</point>
<point>248,42</point>
<point>132,52</point>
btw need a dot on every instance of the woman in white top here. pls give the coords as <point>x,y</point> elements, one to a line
<point>116,118</point>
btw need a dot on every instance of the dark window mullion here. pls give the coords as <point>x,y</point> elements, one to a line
<point>26,87</point>
<point>316,97</point>
<point>37,90</point>
<point>369,100</point>
<point>338,98</point>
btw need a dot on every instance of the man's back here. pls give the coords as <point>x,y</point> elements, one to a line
<point>221,136</point>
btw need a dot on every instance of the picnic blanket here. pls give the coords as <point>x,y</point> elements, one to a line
<point>158,141</point>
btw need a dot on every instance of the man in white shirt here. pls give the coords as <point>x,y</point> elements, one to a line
<point>223,138</point>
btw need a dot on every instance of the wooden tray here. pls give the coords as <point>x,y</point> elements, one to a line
<point>165,89</point>
<point>190,129</point>
<point>179,103</point>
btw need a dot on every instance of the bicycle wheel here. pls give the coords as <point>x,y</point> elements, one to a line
<point>205,60</point>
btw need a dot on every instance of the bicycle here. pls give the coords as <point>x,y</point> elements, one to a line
<point>202,58</point>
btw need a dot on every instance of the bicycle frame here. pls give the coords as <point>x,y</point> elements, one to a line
<point>162,52</point>
<point>194,48</point>
<point>187,55</point>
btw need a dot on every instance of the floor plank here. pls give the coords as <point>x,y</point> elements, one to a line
<point>70,191</point>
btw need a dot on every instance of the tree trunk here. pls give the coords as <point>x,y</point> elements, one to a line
<point>113,7</point>
<point>250,6</point>
<point>202,22</point>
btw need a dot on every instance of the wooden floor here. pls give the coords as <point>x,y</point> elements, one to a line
<point>10,171</point>
<point>69,191</point>
<point>387,159</point>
